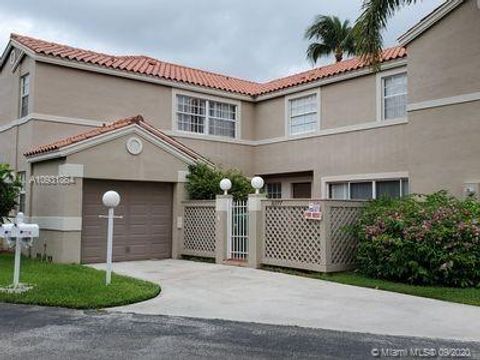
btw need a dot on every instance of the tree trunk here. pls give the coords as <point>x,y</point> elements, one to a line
<point>338,56</point>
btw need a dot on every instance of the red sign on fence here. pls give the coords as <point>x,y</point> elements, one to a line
<point>313,212</point>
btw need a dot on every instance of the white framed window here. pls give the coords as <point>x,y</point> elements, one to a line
<point>368,189</point>
<point>302,113</point>
<point>392,94</point>
<point>206,116</point>
<point>24,94</point>
<point>274,190</point>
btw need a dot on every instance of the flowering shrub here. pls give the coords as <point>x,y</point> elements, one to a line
<point>422,239</point>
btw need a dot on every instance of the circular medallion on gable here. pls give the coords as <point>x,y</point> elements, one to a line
<point>134,146</point>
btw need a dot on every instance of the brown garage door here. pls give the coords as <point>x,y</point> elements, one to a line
<point>145,232</point>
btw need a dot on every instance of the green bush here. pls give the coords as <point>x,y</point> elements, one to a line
<point>422,239</point>
<point>203,183</point>
<point>10,188</point>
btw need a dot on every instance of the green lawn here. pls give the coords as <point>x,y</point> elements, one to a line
<point>72,286</point>
<point>469,296</point>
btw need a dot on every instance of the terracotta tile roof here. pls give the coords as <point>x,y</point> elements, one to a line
<point>144,65</point>
<point>328,70</point>
<point>106,128</point>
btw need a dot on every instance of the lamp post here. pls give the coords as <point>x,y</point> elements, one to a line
<point>257,183</point>
<point>225,185</point>
<point>110,199</point>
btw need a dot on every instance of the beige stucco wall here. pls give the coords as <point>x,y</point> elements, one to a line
<point>445,60</point>
<point>81,94</point>
<point>109,98</point>
<point>10,88</point>
<point>54,200</point>
<point>444,148</point>
<point>111,160</point>
<point>443,141</point>
<point>344,103</point>
<point>62,246</point>
<point>37,132</point>
<point>348,102</point>
<point>224,155</point>
<point>358,152</point>
<point>7,146</point>
<point>270,118</point>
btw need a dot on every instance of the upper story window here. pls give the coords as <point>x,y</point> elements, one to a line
<point>207,117</point>
<point>24,94</point>
<point>394,96</point>
<point>302,114</point>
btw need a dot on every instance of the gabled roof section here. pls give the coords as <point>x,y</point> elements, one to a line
<point>428,21</point>
<point>142,65</point>
<point>147,66</point>
<point>137,121</point>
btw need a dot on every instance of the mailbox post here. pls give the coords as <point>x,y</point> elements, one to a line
<point>24,235</point>
<point>110,199</point>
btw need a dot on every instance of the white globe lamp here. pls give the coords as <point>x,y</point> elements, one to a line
<point>111,199</point>
<point>257,183</point>
<point>225,185</point>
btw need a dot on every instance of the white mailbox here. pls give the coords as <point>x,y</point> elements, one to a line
<point>19,234</point>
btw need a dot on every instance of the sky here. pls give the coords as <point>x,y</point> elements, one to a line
<point>257,40</point>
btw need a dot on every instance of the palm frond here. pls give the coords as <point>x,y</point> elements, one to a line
<point>369,26</point>
<point>329,35</point>
<point>316,50</point>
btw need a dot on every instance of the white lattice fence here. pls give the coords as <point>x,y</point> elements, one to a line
<point>343,244</point>
<point>199,228</point>
<point>289,239</point>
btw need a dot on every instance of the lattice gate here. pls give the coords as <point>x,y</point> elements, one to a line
<point>237,245</point>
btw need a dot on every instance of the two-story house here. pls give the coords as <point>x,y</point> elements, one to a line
<point>339,131</point>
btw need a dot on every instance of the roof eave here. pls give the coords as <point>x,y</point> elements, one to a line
<point>5,53</point>
<point>111,135</point>
<point>427,22</point>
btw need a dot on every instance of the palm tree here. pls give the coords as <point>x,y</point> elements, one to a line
<point>368,27</point>
<point>329,35</point>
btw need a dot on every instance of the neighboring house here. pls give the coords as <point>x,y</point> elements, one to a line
<point>338,131</point>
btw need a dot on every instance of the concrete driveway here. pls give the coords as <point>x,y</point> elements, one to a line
<point>201,290</point>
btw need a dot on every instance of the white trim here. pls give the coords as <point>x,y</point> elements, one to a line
<point>73,170</point>
<point>325,180</point>
<point>115,134</point>
<point>51,118</point>
<point>5,53</point>
<point>237,104</point>
<point>326,132</point>
<point>181,134</point>
<point>459,99</point>
<point>59,223</point>
<point>289,98</point>
<point>189,135</point>
<point>335,131</point>
<point>379,92</point>
<point>430,20</point>
<point>18,60</point>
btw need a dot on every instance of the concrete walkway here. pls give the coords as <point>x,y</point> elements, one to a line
<point>210,291</point>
